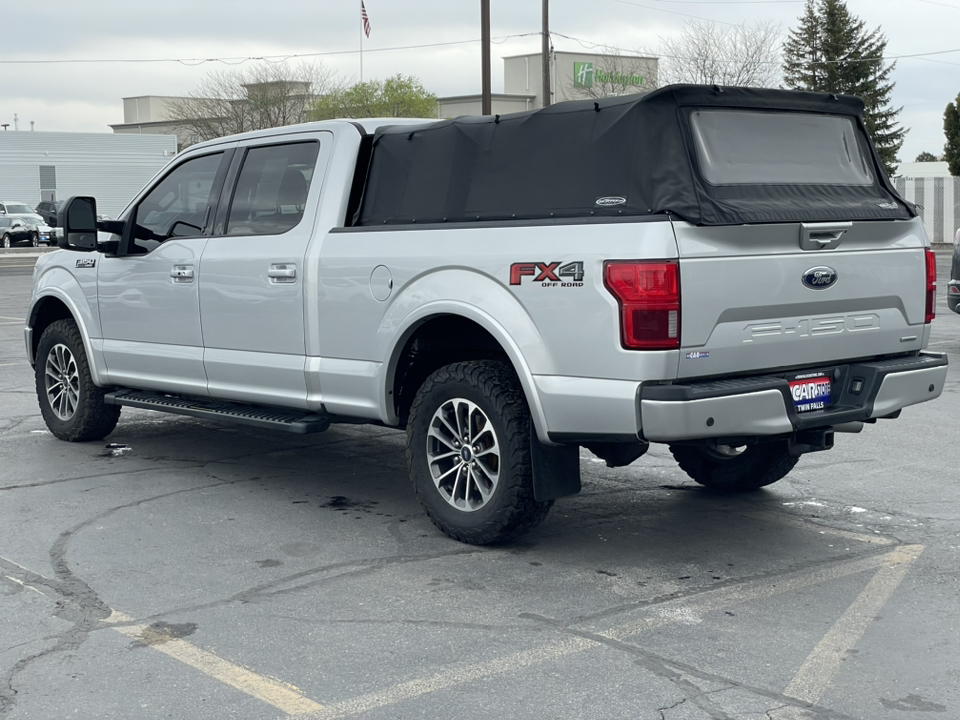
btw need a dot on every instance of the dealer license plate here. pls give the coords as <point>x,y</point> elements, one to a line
<point>811,393</point>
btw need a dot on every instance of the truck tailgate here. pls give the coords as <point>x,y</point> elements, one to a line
<point>746,308</point>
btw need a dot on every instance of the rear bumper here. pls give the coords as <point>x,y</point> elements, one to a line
<point>764,406</point>
<point>953,295</point>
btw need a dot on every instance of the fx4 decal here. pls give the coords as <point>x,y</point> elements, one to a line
<point>549,274</point>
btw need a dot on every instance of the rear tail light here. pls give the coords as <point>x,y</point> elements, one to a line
<point>649,297</point>
<point>931,286</point>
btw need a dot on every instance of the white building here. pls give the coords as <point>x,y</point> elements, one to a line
<point>37,166</point>
<point>150,115</point>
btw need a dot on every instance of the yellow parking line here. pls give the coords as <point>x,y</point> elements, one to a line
<point>668,613</point>
<point>282,696</point>
<point>814,676</point>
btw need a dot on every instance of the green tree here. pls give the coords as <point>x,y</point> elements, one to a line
<point>926,157</point>
<point>951,128</point>
<point>398,96</point>
<point>832,51</point>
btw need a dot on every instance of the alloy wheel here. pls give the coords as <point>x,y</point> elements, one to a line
<point>62,381</point>
<point>463,454</point>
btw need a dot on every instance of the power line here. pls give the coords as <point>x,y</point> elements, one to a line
<point>921,56</point>
<point>240,60</point>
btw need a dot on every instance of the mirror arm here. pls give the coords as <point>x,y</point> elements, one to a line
<point>114,227</point>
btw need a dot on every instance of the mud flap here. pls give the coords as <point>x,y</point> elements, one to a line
<point>556,469</point>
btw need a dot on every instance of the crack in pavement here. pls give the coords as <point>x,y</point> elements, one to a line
<point>725,584</point>
<point>274,588</point>
<point>675,670</point>
<point>76,602</point>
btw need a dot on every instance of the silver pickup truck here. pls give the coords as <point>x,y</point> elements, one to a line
<point>725,270</point>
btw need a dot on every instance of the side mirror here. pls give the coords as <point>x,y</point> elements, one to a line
<point>78,218</point>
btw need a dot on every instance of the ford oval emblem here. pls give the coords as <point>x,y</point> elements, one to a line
<point>820,278</point>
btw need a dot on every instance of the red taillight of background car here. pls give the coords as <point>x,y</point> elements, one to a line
<point>649,297</point>
<point>931,286</point>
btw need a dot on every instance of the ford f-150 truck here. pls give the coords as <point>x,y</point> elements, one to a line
<point>725,270</point>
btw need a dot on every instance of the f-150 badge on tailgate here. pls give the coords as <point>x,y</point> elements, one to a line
<point>548,274</point>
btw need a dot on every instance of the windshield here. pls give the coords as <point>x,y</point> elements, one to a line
<point>16,209</point>
<point>778,148</point>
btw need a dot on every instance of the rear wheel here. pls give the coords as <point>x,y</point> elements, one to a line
<point>6,240</point>
<point>468,449</point>
<point>35,240</point>
<point>735,468</point>
<point>71,404</point>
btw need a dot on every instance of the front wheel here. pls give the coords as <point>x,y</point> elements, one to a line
<point>468,450</point>
<point>35,240</point>
<point>71,404</point>
<point>735,468</point>
<point>6,241</point>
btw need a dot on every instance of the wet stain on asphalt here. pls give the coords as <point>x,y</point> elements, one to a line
<point>913,703</point>
<point>161,632</point>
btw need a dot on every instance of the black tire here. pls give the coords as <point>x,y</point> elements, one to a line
<point>35,240</point>
<point>489,401</point>
<point>71,405</point>
<point>725,468</point>
<point>6,240</point>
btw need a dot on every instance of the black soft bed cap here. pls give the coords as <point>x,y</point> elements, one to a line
<point>713,156</point>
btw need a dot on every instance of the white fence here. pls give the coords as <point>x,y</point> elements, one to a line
<point>939,201</point>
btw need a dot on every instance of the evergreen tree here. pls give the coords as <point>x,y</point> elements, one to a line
<point>951,128</point>
<point>832,51</point>
<point>803,54</point>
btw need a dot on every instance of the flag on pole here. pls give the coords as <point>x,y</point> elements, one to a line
<point>366,20</point>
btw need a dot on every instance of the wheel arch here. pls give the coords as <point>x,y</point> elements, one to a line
<point>56,304</point>
<point>444,332</point>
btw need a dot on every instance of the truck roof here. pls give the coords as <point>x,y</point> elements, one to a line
<point>365,125</point>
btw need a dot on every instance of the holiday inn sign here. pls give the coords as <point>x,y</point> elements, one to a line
<point>584,73</point>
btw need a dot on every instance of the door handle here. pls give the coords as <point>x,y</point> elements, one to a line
<point>282,273</point>
<point>182,273</point>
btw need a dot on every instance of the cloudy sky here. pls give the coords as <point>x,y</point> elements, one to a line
<point>159,48</point>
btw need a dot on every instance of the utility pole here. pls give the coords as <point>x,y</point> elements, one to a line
<point>485,99</point>
<point>545,53</point>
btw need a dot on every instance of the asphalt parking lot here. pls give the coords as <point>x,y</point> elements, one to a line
<point>192,569</point>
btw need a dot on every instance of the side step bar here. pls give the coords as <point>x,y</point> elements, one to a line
<point>263,416</point>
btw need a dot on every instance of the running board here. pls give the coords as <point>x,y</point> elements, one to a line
<point>257,415</point>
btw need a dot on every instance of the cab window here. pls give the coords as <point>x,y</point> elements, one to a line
<point>178,205</point>
<point>271,190</point>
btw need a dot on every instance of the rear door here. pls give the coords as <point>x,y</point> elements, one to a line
<point>252,270</point>
<point>819,290</point>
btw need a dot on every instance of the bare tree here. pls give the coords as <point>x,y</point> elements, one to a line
<point>609,74</point>
<point>263,96</point>
<point>708,54</point>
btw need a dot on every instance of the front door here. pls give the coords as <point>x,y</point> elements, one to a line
<point>149,298</point>
<point>252,292</point>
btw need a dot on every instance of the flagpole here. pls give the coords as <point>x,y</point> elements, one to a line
<point>361,41</point>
